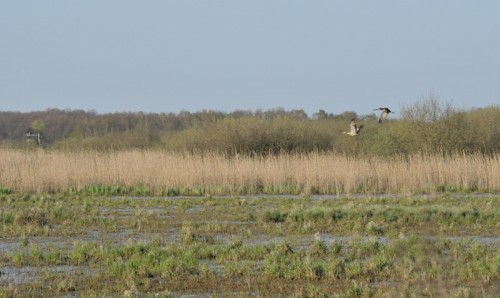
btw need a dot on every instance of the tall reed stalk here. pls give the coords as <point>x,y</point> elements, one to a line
<point>322,173</point>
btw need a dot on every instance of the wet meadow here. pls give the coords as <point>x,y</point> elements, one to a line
<point>290,226</point>
<point>249,246</point>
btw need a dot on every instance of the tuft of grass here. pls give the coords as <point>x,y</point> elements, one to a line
<point>5,191</point>
<point>31,216</point>
<point>275,216</point>
<point>6,218</point>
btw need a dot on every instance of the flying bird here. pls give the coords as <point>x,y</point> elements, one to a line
<point>354,128</point>
<point>384,114</point>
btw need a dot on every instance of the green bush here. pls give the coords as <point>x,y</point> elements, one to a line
<point>425,126</point>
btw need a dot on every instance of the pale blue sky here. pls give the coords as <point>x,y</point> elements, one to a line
<point>168,56</point>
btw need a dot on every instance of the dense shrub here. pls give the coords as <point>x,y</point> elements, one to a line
<point>426,126</point>
<point>250,135</point>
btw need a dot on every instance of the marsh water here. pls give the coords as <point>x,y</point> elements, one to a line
<point>109,222</point>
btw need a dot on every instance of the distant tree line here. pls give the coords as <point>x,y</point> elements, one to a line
<point>427,126</point>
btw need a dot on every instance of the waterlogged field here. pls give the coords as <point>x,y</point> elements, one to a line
<point>72,244</point>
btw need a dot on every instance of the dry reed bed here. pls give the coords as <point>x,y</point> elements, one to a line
<point>55,171</point>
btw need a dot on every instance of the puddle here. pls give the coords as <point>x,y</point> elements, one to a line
<point>305,241</point>
<point>30,274</point>
<point>131,211</point>
<point>323,197</point>
<point>113,213</point>
<point>195,209</point>
<point>493,241</point>
<point>122,237</point>
<point>14,245</point>
<point>9,245</point>
<point>213,266</point>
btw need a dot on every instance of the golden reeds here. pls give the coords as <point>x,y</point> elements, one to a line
<point>55,171</point>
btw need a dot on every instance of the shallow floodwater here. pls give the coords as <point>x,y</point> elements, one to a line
<point>326,197</point>
<point>120,236</point>
<point>12,276</point>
